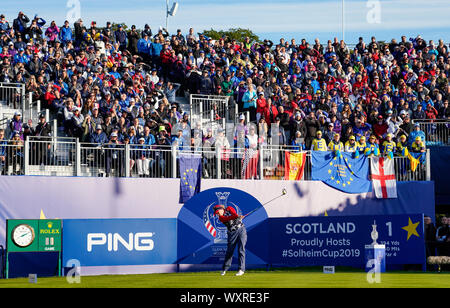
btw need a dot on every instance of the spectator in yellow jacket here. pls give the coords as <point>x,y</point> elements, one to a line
<point>319,143</point>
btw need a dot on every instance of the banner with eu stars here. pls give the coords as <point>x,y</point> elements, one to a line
<point>341,171</point>
<point>190,175</point>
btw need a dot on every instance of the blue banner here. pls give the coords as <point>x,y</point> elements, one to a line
<point>109,242</point>
<point>203,238</point>
<point>341,171</point>
<point>190,175</point>
<point>312,241</point>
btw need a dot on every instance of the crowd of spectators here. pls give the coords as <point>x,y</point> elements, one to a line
<point>101,82</point>
<point>109,85</point>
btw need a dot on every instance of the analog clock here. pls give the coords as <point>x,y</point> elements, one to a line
<point>22,235</point>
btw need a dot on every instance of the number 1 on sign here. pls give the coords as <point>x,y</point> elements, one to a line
<point>389,225</point>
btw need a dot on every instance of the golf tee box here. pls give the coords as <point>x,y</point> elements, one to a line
<point>375,258</point>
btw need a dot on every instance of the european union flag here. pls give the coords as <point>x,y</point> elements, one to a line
<point>343,172</point>
<point>190,175</point>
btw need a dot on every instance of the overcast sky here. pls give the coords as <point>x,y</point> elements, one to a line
<point>385,19</point>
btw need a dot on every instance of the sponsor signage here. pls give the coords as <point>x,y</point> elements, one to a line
<point>109,242</point>
<point>34,235</point>
<point>341,240</point>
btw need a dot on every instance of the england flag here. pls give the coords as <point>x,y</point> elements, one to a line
<point>383,177</point>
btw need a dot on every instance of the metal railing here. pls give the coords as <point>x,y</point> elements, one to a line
<point>12,94</point>
<point>211,110</point>
<point>437,131</point>
<point>59,156</point>
<point>12,158</point>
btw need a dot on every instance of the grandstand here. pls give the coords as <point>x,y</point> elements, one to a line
<point>79,102</point>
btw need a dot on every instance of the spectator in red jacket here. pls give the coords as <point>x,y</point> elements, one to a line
<point>261,104</point>
<point>431,113</point>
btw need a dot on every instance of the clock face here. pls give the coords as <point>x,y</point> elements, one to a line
<point>23,235</point>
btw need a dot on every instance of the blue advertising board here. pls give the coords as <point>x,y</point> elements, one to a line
<point>341,240</point>
<point>109,242</point>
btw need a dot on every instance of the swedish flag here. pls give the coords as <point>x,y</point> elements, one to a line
<point>190,175</point>
<point>343,172</point>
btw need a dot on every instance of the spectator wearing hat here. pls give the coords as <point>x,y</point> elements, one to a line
<point>75,124</point>
<point>142,157</point>
<point>4,25</point>
<point>328,133</point>
<point>388,147</point>
<point>417,132</point>
<point>133,37</point>
<point>361,128</point>
<point>319,143</point>
<point>98,137</point>
<point>16,125</point>
<point>336,145</point>
<point>114,158</point>
<point>205,84</point>
<point>361,144</point>
<point>402,146</point>
<point>431,113</point>
<point>380,128</point>
<point>42,129</point>
<point>298,142</point>
<point>120,37</point>
<point>350,145</point>
<point>418,146</point>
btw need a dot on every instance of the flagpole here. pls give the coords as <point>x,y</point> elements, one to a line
<point>343,20</point>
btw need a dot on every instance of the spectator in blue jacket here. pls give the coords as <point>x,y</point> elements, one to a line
<point>20,24</point>
<point>155,51</point>
<point>417,132</point>
<point>65,34</point>
<point>121,37</point>
<point>4,25</point>
<point>98,137</point>
<point>143,46</point>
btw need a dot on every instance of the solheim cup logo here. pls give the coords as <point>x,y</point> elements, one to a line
<point>211,221</point>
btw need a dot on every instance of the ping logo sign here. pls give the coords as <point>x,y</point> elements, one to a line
<point>140,241</point>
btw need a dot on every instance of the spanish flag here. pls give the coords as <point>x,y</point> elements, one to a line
<point>294,165</point>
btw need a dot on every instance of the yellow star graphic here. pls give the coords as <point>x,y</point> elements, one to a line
<point>411,228</point>
<point>329,171</point>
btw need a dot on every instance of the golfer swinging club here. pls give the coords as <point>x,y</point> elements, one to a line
<point>237,235</point>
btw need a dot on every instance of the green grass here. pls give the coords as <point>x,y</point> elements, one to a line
<point>251,279</point>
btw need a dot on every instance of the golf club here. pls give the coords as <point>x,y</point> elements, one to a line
<point>283,192</point>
